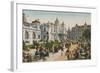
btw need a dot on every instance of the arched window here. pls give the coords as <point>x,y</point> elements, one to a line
<point>26,35</point>
<point>34,36</point>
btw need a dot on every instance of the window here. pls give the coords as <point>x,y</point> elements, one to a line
<point>26,35</point>
<point>34,36</point>
<point>27,42</point>
<point>44,29</point>
<point>35,26</point>
<point>38,36</point>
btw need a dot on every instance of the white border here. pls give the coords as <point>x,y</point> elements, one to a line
<point>17,38</point>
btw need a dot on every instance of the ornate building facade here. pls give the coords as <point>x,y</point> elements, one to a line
<point>31,31</point>
<point>35,31</point>
<point>76,32</point>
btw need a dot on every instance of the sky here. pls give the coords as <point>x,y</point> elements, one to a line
<point>69,18</point>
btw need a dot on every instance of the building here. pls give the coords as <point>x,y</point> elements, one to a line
<point>31,31</point>
<point>76,32</point>
<point>35,31</point>
<point>57,31</point>
<point>45,32</point>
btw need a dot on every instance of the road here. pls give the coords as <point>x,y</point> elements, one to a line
<point>59,56</point>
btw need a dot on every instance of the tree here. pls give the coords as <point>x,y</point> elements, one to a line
<point>48,45</point>
<point>35,44</point>
<point>24,46</point>
<point>86,35</point>
<point>56,44</point>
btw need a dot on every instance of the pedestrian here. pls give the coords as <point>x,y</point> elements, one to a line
<point>62,51</point>
<point>42,54</point>
<point>37,54</point>
<point>67,54</point>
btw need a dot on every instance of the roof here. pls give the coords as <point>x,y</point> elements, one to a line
<point>36,21</point>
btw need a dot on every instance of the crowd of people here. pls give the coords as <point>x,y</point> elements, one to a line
<point>81,51</point>
<point>27,57</point>
<point>41,53</point>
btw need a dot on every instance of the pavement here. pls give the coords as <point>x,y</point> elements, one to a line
<point>59,56</point>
